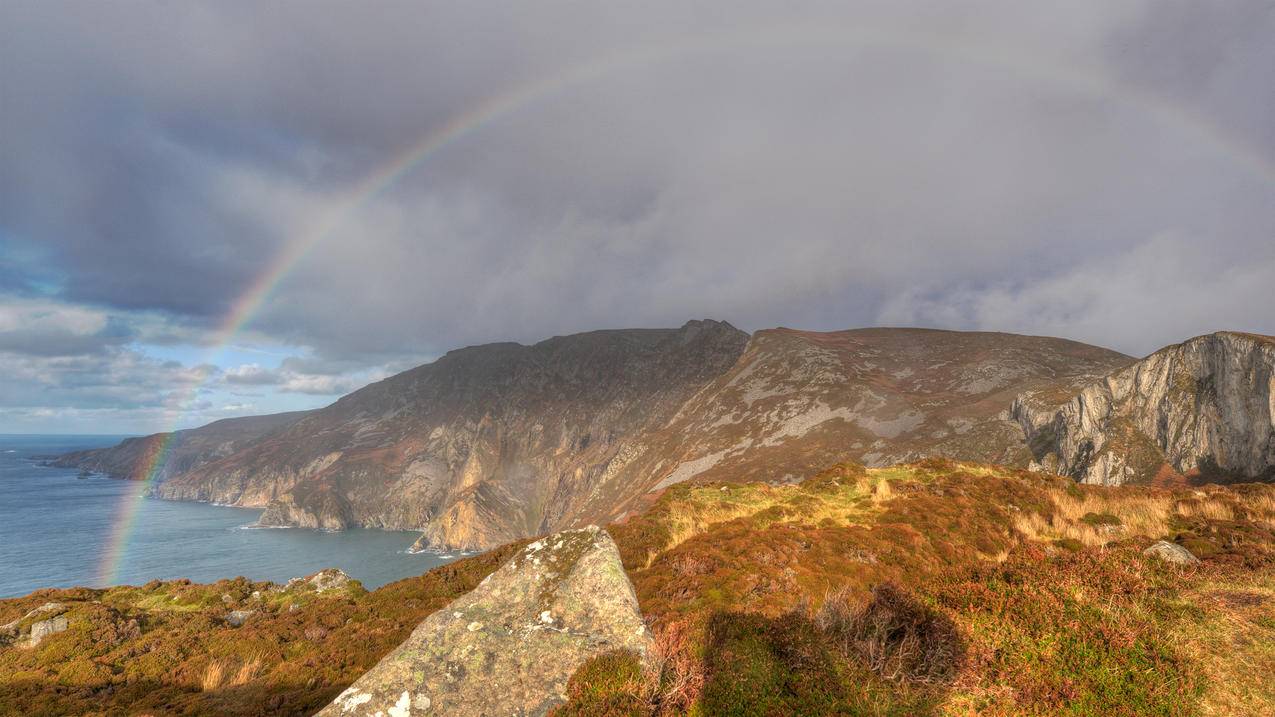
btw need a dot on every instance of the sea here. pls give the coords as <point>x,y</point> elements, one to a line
<point>60,530</point>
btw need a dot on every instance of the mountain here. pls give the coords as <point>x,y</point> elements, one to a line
<point>177,452</point>
<point>1202,410</point>
<point>495,442</point>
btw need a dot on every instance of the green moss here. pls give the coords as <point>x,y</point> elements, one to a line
<point>606,686</point>
<point>1099,519</point>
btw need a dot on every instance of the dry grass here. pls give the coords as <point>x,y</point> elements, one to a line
<point>247,672</point>
<point>222,673</point>
<point>1093,516</point>
<point>214,676</point>
<point>698,509</point>
<point>1211,508</point>
<point>1234,644</point>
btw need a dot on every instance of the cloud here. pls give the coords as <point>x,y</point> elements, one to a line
<point>316,377</point>
<point>827,165</point>
<point>252,375</point>
<point>48,328</point>
<point>1142,287</point>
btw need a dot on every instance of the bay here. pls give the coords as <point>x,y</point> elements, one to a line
<point>59,530</point>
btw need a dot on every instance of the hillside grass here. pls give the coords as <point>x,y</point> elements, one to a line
<point>942,588</point>
<point>165,648</point>
<point>933,588</point>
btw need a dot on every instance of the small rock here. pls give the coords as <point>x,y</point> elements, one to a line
<point>1171,553</point>
<point>239,617</point>
<point>329,579</point>
<point>44,628</point>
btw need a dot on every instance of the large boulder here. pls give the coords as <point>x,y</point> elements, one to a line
<point>509,647</point>
<point>1170,553</point>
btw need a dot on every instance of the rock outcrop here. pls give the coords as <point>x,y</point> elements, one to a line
<point>31,629</point>
<point>1202,410</point>
<point>509,647</point>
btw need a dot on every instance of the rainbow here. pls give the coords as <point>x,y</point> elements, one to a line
<point>1087,81</point>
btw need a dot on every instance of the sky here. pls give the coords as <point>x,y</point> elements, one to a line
<point>212,209</point>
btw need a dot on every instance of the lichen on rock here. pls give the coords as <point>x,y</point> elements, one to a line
<point>511,645</point>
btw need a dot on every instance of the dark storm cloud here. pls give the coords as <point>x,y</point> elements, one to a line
<point>1099,170</point>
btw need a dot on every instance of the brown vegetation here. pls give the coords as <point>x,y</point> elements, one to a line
<point>930,588</point>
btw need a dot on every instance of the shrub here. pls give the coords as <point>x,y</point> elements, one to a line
<point>894,634</point>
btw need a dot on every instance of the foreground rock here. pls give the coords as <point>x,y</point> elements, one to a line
<point>509,647</point>
<point>1202,410</point>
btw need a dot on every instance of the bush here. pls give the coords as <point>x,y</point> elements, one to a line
<point>895,635</point>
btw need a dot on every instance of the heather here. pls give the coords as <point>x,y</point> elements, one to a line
<point>935,587</point>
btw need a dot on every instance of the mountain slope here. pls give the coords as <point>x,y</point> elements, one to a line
<point>1202,410</point>
<point>186,450</point>
<point>498,439</point>
<point>798,400</point>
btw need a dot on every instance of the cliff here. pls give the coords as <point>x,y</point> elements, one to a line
<point>1202,410</point>
<point>485,445</point>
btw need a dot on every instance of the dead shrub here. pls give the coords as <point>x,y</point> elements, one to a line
<point>672,674</point>
<point>894,634</point>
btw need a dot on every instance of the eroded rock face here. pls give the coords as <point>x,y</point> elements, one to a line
<point>509,647</point>
<point>1200,410</point>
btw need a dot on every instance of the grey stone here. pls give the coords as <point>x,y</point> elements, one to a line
<point>1170,552</point>
<point>239,617</point>
<point>509,647</point>
<point>329,579</point>
<point>44,628</point>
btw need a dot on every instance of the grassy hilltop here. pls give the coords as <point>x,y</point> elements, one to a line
<point>928,588</point>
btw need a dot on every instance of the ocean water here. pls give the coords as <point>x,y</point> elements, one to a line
<point>56,530</point>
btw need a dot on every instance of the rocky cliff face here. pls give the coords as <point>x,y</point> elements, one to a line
<point>1202,410</point>
<point>509,647</point>
<point>485,445</point>
<point>186,450</point>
